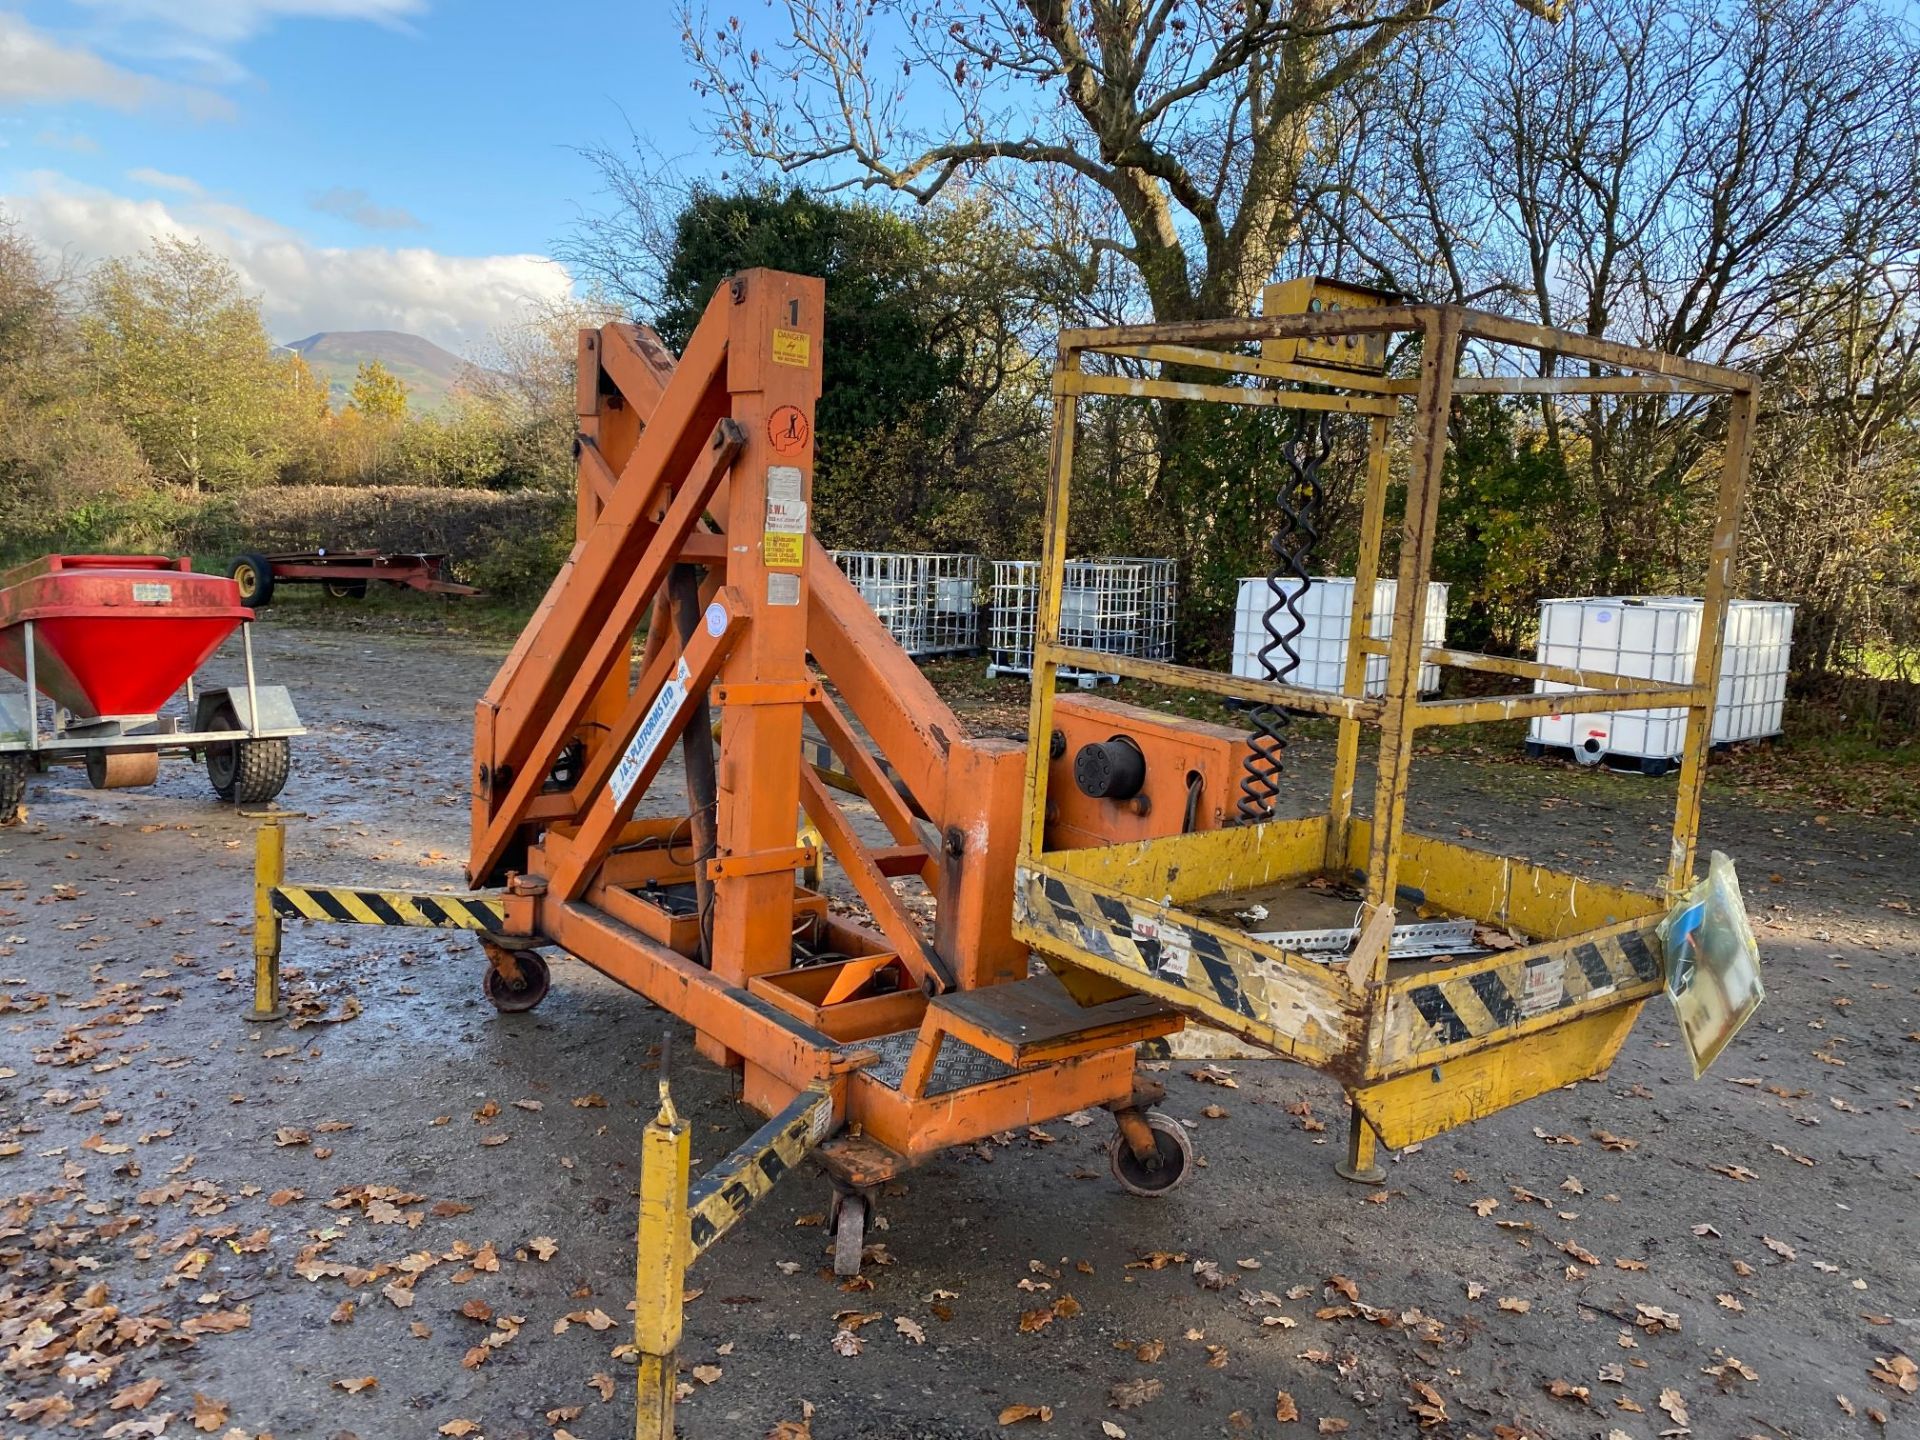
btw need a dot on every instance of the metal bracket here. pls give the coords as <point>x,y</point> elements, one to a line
<point>792,692</point>
<point>764,862</point>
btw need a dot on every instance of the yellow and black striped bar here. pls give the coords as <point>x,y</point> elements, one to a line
<point>1492,999</point>
<point>336,905</point>
<point>1298,1009</point>
<point>718,1200</point>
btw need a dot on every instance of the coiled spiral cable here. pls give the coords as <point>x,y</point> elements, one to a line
<point>1292,548</point>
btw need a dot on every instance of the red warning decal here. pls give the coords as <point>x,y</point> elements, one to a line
<point>788,430</point>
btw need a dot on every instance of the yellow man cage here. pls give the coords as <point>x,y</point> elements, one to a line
<point>1419,1047</point>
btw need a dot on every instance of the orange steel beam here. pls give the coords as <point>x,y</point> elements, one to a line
<point>896,703</point>
<point>872,886</point>
<point>874,786</point>
<point>526,690</point>
<point>641,738</point>
<point>775,327</point>
<point>607,655</point>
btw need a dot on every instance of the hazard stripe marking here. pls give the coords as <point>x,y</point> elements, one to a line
<point>386,907</point>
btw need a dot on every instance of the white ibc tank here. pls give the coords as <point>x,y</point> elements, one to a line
<point>1657,637</point>
<point>1327,608</point>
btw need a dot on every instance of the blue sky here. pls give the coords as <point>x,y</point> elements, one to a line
<point>365,163</point>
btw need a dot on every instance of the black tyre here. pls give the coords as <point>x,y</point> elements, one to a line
<point>249,772</point>
<point>535,978</point>
<point>254,575</point>
<point>14,767</point>
<point>1172,1162</point>
<point>347,589</point>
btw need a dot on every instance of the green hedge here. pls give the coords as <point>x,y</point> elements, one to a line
<point>509,543</point>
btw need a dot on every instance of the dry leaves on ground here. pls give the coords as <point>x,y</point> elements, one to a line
<point>1014,1414</point>
<point>1132,1394</point>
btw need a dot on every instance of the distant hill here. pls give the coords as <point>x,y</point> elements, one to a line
<point>428,371</point>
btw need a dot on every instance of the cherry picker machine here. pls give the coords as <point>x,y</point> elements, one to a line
<point>1089,887</point>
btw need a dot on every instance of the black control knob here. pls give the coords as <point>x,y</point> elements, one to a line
<point>1110,769</point>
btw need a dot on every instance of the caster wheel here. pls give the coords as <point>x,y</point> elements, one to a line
<point>1172,1161</point>
<point>849,1234</point>
<point>510,999</point>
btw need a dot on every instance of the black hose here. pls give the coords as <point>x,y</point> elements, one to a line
<point>1292,548</point>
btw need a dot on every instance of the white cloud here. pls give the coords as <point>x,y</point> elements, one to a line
<point>75,140</point>
<point>228,21</point>
<point>455,300</point>
<point>358,207</point>
<point>36,69</point>
<point>161,180</point>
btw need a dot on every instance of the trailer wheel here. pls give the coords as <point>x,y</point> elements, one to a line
<point>1171,1164</point>
<point>347,589</point>
<point>535,977</point>
<point>254,575</point>
<point>14,768</point>
<point>248,772</point>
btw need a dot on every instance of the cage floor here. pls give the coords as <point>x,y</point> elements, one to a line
<point>957,1066</point>
<point>1293,905</point>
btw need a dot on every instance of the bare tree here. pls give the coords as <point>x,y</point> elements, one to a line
<point>1184,130</point>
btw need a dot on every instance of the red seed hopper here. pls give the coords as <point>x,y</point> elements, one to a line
<point>110,639</point>
<point>114,634</point>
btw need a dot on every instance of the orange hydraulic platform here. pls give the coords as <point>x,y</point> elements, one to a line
<point>695,522</point>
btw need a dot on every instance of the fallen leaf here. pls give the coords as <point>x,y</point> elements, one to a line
<point>1284,1408</point>
<point>1430,1409</point>
<point>1897,1370</point>
<point>706,1374</point>
<point>1131,1394</point>
<point>355,1387</point>
<point>1514,1304</point>
<point>1674,1405</point>
<point>910,1328</point>
<point>1014,1414</point>
<point>460,1427</point>
<point>135,1397</point>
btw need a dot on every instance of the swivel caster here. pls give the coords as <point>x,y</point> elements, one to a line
<point>512,996</point>
<point>851,1211</point>
<point>1150,1153</point>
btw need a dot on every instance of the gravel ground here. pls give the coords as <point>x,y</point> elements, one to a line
<point>205,1220</point>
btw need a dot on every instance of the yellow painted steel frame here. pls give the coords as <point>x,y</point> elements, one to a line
<point>1461,1039</point>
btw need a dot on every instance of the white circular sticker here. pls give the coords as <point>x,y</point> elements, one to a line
<point>716,620</point>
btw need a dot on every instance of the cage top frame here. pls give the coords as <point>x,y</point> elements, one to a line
<point>1443,332</point>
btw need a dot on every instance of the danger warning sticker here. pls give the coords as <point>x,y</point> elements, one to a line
<point>792,347</point>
